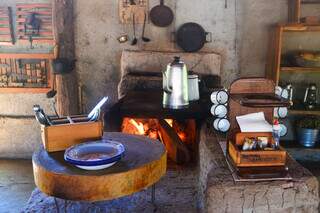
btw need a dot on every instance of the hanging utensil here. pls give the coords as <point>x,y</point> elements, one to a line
<point>161,15</point>
<point>145,39</point>
<point>32,27</point>
<point>53,91</point>
<point>191,37</point>
<point>135,40</point>
<point>63,66</point>
<point>122,39</point>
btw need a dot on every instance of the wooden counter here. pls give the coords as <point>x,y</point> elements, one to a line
<point>220,193</point>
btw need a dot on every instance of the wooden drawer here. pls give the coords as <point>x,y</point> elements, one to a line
<point>61,137</point>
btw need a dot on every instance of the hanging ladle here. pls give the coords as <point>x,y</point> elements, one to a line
<point>51,94</point>
<point>145,39</point>
<point>135,40</point>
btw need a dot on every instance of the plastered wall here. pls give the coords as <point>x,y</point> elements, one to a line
<point>240,34</point>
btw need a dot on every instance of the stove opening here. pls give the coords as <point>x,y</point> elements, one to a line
<point>178,136</point>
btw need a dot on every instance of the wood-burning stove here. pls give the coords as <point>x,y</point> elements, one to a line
<point>142,113</point>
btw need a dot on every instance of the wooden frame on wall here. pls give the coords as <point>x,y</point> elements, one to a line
<point>36,74</point>
<point>25,75</point>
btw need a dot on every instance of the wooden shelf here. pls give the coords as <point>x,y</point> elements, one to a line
<point>299,28</point>
<point>300,69</point>
<point>28,55</point>
<point>293,144</point>
<point>304,112</point>
<point>310,2</point>
<point>24,90</point>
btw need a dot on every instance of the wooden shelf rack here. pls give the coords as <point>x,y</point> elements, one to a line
<point>300,69</point>
<point>273,68</point>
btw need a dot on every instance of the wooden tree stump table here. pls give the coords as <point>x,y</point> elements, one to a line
<point>142,166</point>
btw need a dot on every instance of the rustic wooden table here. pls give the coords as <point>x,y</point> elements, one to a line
<point>143,165</point>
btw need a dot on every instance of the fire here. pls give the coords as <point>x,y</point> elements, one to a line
<point>139,126</point>
<point>151,128</point>
<point>169,121</point>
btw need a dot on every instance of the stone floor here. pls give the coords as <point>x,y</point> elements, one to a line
<point>176,192</point>
<point>16,184</point>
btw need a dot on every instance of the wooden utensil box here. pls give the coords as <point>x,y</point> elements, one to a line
<point>60,137</point>
<point>255,158</point>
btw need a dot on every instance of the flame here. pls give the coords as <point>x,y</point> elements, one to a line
<point>169,121</point>
<point>182,136</point>
<point>139,126</point>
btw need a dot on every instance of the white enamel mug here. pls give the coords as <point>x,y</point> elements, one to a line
<point>283,130</point>
<point>280,112</point>
<point>219,97</point>
<point>221,124</point>
<point>284,93</point>
<point>219,110</point>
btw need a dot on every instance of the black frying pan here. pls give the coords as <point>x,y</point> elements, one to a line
<point>161,15</point>
<point>191,37</point>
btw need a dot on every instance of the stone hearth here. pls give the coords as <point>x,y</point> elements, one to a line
<point>219,192</point>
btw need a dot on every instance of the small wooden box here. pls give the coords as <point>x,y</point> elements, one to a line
<point>60,137</point>
<point>255,158</point>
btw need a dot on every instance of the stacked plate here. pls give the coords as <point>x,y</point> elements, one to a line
<point>95,155</point>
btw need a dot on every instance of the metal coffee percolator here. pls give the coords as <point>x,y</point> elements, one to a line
<point>310,96</point>
<point>175,85</point>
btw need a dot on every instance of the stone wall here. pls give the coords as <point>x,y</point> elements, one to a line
<point>19,132</point>
<point>240,34</point>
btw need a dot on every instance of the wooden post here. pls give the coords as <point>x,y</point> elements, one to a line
<point>297,12</point>
<point>66,85</point>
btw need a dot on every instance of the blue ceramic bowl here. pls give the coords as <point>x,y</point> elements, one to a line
<point>95,153</point>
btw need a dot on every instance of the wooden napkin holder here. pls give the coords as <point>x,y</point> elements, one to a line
<point>62,136</point>
<point>251,95</point>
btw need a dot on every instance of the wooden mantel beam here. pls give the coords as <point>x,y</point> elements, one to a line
<point>66,85</point>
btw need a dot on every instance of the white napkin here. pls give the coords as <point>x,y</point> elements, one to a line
<point>254,122</point>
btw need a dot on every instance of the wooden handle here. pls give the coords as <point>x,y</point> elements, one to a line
<point>161,2</point>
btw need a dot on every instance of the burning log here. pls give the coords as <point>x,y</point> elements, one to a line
<point>175,147</point>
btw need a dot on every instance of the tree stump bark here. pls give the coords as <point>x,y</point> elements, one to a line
<point>66,85</point>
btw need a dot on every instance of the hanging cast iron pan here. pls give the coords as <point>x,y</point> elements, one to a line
<point>63,66</point>
<point>161,15</point>
<point>191,37</point>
